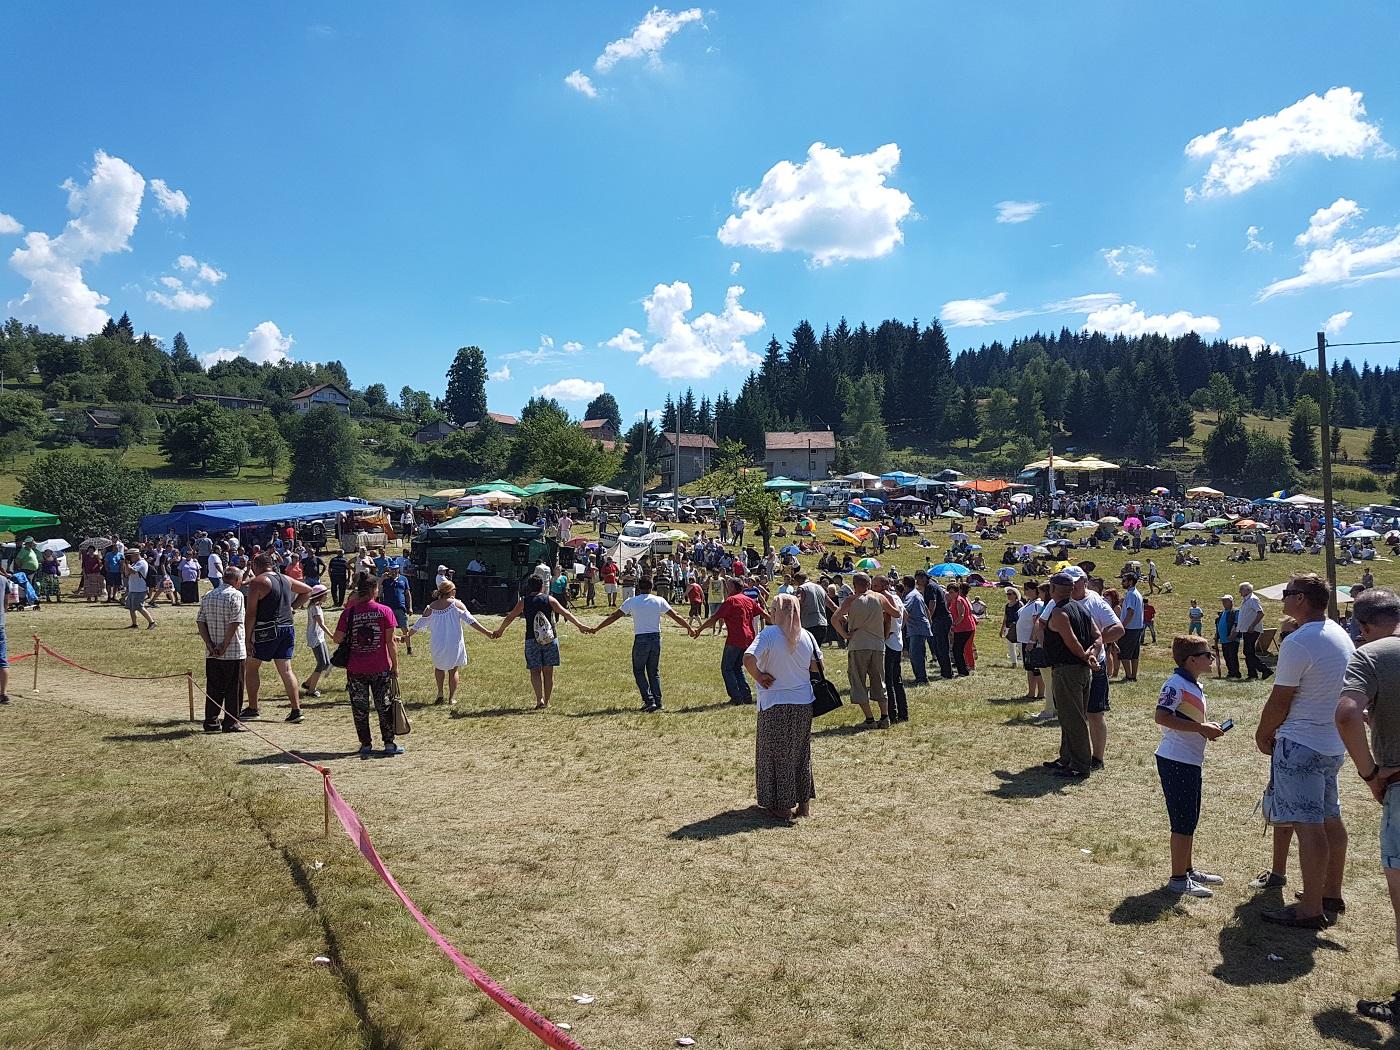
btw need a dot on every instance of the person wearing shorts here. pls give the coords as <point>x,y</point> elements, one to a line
<point>1371,700</point>
<point>609,574</point>
<point>541,658</point>
<point>1132,614</point>
<point>1181,714</point>
<point>136,570</point>
<point>269,630</point>
<point>1298,731</point>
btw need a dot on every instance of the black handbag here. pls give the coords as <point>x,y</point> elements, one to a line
<point>341,656</point>
<point>825,697</point>
<point>1037,659</point>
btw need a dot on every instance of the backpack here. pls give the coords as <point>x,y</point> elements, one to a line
<point>544,630</point>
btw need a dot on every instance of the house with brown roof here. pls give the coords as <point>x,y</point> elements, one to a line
<point>599,429</point>
<point>505,422</point>
<point>321,394</point>
<point>803,455</point>
<point>697,452</point>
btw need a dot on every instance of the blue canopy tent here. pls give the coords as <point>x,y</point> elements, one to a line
<point>228,519</point>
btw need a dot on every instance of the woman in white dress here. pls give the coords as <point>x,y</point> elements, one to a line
<point>444,618</point>
<point>781,660</point>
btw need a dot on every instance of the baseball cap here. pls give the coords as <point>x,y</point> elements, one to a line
<point>1074,572</point>
<point>1227,597</point>
<point>1062,579</point>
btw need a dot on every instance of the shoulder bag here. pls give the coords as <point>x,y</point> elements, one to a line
<point>402,726</point>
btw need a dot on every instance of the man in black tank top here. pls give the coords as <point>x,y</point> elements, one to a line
<point>1070,639</point>
<point>270,633</point>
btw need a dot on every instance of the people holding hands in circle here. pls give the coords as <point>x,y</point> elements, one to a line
<point>444,617</point>
<point>646,610</point>
<point>541,613</point>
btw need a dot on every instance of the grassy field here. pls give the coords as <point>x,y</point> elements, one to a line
<point>169,889</point>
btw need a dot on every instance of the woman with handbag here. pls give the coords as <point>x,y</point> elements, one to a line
<point>782,660</point>
<point>372,669</point>
<point>444,618</point>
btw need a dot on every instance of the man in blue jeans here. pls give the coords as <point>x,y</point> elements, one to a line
<point>737,612</point>
<point>917,624</point>
<point>646,610</point>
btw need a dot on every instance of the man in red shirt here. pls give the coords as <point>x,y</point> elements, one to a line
<point>609,574</point>
<point>737,612</point>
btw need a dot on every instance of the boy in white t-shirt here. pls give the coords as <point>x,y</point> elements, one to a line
<point>1181,712</point>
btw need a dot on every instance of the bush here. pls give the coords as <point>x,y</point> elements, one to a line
<point>1357,482</point>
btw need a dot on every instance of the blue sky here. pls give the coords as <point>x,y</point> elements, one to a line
<point>579,188</point>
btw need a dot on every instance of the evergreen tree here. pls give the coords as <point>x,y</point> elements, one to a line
<point>966,424</point>
<point>1269,466</point>
<point>1220,394</point>
<point>465,401</point>
<point>205,437</point>
<point>180,355</point>
<point>125,330</point>
<point>1000,416</point>
<point>604,406</point>
<point>1381,450</point>
<point>1144,445</point>
<point>1338,451</point>
<point>1302,442</point>
<point>863,421</point>
<point>1271,405</point>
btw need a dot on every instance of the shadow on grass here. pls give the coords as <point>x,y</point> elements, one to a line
<point>1033,722</point>
<point>1146,908</point>
<point>491,712</point>
<point>1031,782</point>
<point>697,708</point>
<point>1247,942</point>
<point>1346,1027</point>
<point>1022,699</point>
<point>606,711</point>
<point>845,729</point>
<point>150,738</point>
<point>309,756</point>
<point>730,822</point>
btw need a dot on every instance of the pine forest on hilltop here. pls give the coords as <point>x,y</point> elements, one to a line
<point>895,395</point>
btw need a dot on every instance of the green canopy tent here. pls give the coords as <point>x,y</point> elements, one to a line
<point>549,487</point>
<point>499,485</point>
<point>20,519</point>
<point>784,485</point>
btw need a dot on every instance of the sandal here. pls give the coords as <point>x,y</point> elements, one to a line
<point>1380,1009</point>
<point>1289,917</point>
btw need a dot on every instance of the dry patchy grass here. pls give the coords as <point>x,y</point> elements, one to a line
<point>945,894</point>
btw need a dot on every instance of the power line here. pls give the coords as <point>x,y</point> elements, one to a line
<point>1370,342</point>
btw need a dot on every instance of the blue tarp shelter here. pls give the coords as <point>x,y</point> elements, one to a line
<point>227,519</point>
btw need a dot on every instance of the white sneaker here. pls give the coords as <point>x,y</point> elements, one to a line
<point>1043,716</point>
<point>1204,878</point>
<point>1187,888</point>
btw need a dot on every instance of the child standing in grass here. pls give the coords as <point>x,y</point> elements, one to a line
<point>1181,712</point>
<point>316,639</point>
<point>1197,617</point>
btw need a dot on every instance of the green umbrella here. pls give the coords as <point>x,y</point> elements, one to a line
<point>1214,523</point>
<point>785,484</point>
<point>18,519</point>
<point>499,485</point>
<point>951,514</point>
<point>548,487</point>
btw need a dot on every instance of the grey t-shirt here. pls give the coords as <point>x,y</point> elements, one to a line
<point>1374,671</point>
<point>813,599</point>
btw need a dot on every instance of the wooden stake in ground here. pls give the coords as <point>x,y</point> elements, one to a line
<point>36,663</point>
<point>326,801</point>
<point>189,681</point>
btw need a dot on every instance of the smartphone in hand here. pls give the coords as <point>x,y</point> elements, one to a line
<point>1227,725</point>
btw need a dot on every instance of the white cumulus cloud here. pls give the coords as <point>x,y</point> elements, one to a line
<point>265,345</point>
<point>202,271</point>
<point>734,269</point>
<point>546,351</point>
<point>582,83</point>
<point>570,390</point>
<point>831,206</point>
<point>1371,255</point>
<point>1252,243</point>
<point>105,212</point>
<point>1242,157</point>
<point>691,349</point>
<point>1126,319</point>
<point>1130,258</point>
<point>9,224</point>
<point>647,39</point>
<point>977,313</point>
<point>1326,223</point>
<point>1017,211</point>
<point>1337,322</point>
<point>501,374</point>
<point>172,202</point>
<point>181,299</point>
<point>1255,344</point>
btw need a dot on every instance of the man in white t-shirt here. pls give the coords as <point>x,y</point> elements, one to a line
<point>214,565</point>
<point>1134,623</point>
<point>1251,622</point>
<point>1298,730</point>
<point>135,570</point>
<point>646,610</point>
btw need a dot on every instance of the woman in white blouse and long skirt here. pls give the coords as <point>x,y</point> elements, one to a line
<point>781,660</point>
<point>445,617</point>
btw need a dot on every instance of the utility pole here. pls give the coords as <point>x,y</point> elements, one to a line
<point>642,480</point>
<point>676,473</point>
<point>1324,418</point>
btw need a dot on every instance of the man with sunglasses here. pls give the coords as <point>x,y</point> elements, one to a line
<point>1371,698</point>
<point>1298,731</point>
